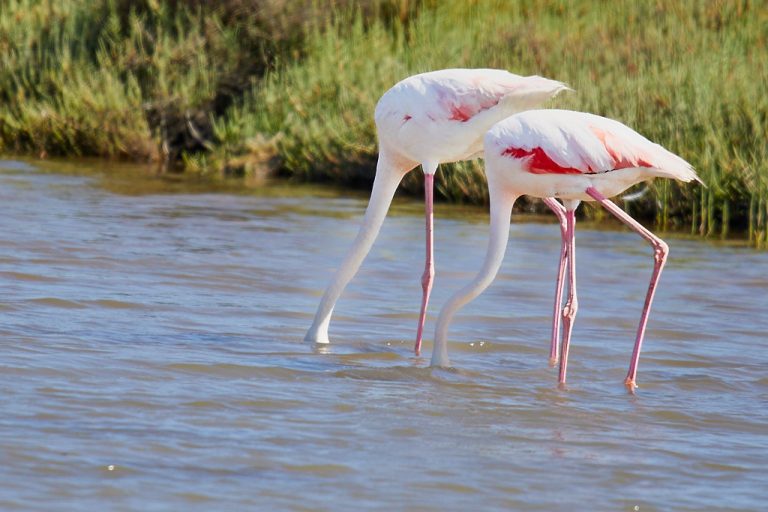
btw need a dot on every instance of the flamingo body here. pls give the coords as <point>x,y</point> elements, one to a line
<point>442,116</point>
<point>561,153</point>
<point>428,119</point>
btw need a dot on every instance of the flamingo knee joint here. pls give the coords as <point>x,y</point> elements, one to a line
<point>427,278</point>
<point>570,309</point>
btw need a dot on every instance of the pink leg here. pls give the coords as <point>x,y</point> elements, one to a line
<point>559,211</point>
<point>429,266</point>
<point>572,304</point>
<point>661,251</point>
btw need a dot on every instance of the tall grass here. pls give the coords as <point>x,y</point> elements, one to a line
<point>690,75</point>
<point>246,89</point>
<point>140,79</point>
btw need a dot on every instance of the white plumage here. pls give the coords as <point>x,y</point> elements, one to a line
<point>441,116</point>
<point>586,142</point>
<point>561,153</point>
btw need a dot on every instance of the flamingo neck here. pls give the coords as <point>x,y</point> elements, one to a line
<point>389,173</point>
<point>501,211</point>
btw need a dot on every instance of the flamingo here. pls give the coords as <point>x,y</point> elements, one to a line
<point>576,157</point>
<point>426,120</point>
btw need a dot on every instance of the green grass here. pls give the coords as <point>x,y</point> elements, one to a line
<point>139,79</point>
<point>245,89</point>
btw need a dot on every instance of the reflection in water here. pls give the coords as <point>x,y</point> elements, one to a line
<point>152,354</point>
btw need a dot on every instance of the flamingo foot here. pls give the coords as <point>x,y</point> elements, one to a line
<point>629,382</point>
<point>553,362</point>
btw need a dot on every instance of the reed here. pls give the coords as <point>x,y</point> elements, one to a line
<point>690,75</point>
<point>247,87</point>
<point>140,79</point>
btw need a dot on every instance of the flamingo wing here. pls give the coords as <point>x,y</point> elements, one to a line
<point>460,94</point>
<point>566,142</point>
<point>463,94</point>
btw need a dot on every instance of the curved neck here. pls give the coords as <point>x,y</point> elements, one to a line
<point>501,211</point>
<point>388,176</point>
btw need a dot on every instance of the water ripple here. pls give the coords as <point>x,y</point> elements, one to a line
<point>152,359</point>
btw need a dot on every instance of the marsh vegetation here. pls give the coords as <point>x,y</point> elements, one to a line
<point>288,88</point>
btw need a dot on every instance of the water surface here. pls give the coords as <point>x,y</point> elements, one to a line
<point>152,359</point>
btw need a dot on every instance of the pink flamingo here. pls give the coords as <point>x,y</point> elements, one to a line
<point>576,157</point>
<point>429,119</point>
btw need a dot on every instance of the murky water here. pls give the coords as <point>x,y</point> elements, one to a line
<point>151,359</point>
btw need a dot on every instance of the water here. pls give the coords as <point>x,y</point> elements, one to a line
<point>151,359</point>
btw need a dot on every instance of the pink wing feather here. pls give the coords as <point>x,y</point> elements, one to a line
<point>566,142</point>
<point>469,92</point>
<point>461,94</point>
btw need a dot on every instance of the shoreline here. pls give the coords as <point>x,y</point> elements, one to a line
<point>125,178</point>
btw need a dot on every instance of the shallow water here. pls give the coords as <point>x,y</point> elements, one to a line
<point>152,359</point>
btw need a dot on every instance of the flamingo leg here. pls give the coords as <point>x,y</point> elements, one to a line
<point>428,277</point>
<point>660,253</point>
<point>572,303</point>
<point>559,211</point>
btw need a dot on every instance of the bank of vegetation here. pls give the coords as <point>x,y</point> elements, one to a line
<point>288,88</point>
